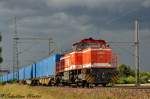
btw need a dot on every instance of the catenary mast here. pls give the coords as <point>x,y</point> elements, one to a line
<point>136,44</point>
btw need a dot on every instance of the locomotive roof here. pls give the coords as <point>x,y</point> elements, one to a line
<point>91,40</point>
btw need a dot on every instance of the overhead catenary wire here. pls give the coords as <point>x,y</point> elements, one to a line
<point>26,49</point>
<point>35,39</point>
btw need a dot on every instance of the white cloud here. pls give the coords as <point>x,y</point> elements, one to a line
<point>86,3</point>
<point>146,3</point>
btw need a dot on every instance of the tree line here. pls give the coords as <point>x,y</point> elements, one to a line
<point>126,75</point>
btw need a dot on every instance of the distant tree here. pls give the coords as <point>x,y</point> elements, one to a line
<point>127,75</point>
<point>144,77</point>
<point>125,71</point>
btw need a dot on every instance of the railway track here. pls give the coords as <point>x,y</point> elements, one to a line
<point>144,89</point>
<point>136,89</point>
<point>107,87</point>
<point>132,87</point>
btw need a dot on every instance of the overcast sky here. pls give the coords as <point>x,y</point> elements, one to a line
<point>67,21</point>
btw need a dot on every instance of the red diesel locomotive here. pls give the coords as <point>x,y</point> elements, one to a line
<point>90,62</point>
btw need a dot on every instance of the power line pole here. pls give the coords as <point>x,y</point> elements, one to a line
<point>50,42</point>
<point>136,44</point>
<point>1,59</point>
<point>15,51</point>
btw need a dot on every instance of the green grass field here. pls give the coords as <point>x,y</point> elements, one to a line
<point>16,91</point>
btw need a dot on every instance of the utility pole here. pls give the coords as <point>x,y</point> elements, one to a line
<point>1,59</point>
<point>136,44</point>
<point>15,51</point>
<point>50,41</point>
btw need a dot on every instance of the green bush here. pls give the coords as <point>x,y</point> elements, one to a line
<point>127,75</point>
<point>121,80</point>
<point>144,77</point>
<point>126,80</point>
<point>130,80</point>
<point>12,81</point>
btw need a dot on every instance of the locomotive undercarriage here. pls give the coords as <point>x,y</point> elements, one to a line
<point>85,77</point>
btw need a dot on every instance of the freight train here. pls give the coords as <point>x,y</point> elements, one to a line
<point>91,62</point>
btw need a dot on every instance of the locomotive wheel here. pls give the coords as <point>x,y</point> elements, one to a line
<point>84,83</point>
<point>79,84</point>
<point>87,85</point>
<point>50,83</point>
<point>96,85</point>
<point>104,85</point>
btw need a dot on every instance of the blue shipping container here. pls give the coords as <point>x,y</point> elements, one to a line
<point>46,67</point>
<point>28,72</point>
<point>22,74</point>
<point>10,76</point>
<point>1,80</point>
<point>15,75</point>
<point>4,78</point>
